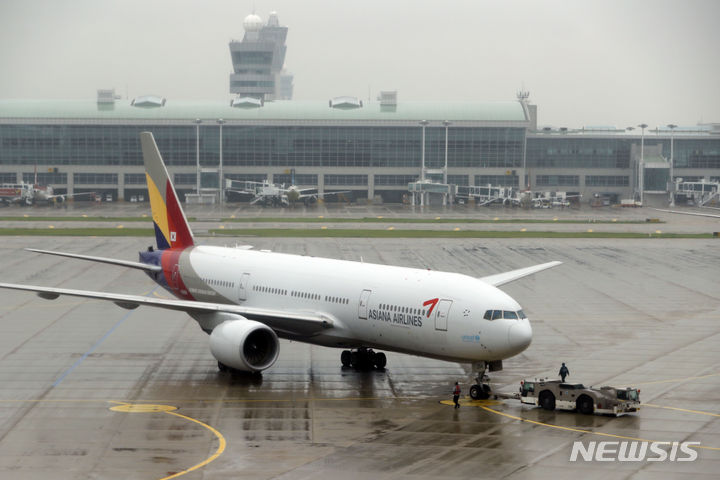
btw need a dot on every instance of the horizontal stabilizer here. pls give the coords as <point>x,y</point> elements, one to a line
<point>507,277</point>
<point>111,261</point>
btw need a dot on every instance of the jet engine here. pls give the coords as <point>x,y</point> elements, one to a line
<point>244,345</point>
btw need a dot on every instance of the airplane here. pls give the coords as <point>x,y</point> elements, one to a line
<point>44,194</point>
<point>270,194</point>
<point>246,300</point>
<point>26,194</point>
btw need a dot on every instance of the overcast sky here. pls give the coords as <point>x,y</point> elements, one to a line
<point>604,62</point>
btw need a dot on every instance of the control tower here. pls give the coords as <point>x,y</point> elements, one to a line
<point>258,61</point>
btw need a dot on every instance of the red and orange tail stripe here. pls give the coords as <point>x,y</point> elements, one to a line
<point>171,226</point>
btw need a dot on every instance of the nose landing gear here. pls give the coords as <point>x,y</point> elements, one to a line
<point>363,359</point>
<point>481,390</point>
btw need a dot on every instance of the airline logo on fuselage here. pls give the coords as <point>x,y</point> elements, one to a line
<point>396,318</point>
<point>432,302</point>
<point>402,318</point>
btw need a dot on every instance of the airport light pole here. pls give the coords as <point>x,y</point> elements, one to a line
<point>220,122</point>
<point>424,124</point>
<point>636,181</point>
<point>197,155</point>
<point>672,128</point>
<point>643,126</point>
<point>445,170</point>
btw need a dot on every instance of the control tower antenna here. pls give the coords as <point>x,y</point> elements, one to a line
<point>523,95</point>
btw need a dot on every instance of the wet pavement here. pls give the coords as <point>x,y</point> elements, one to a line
<point>204,218</point>
<point>619,312</point>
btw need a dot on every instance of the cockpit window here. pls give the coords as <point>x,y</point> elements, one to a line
<point>521,314</point>
<point>497,314</point>
<point>488,315</point>
<point>510,315</point>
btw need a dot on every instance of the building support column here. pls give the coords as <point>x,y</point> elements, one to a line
<point>371,188</point>
<point>70,183</point>
<point>121,187</point>
<point>321,185</point>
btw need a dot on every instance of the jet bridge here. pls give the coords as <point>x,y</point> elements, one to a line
<point>697,193</point>
<point>487,194</point>
<point>425,188</point>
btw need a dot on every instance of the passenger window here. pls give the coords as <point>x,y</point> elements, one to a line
<point>488,315</point>
<point>510,315</point>
<point>497,314</point>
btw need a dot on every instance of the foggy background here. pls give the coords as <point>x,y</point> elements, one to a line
<point>611,62</point>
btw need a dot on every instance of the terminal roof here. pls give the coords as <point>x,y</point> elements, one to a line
<point>289,110</point>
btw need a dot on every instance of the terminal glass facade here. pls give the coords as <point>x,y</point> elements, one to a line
<point>568,152</point>
<point>277,146</point>
<point>333,149</point>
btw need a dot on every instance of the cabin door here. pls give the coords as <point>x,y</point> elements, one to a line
<point>441,314</point>
<point>175,277</point>
<point>363,304</point>
<point>242,286</point>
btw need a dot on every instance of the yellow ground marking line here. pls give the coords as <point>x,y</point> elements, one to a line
<point>699,412</point>
<point>170,410</point>
<point>218,452</point>
<point>471,403</point>
<point>677,380</point>
<point>214,400</point>
<point>580,430</point>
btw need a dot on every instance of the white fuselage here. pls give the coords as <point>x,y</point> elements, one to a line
<point>423,312</point>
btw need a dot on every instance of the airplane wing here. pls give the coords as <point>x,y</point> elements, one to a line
<point>68,195</point>
<point>307,195</point>
<point>242,192</point>
<point>688,213</point>
<point>111,261</point>
<point>294,323</point>
<point>494,199</point>
<point>326,194</point>
<point>301,191</point>
<point>507,277</point>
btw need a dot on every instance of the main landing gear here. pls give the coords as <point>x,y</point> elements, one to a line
<point>363,359</point>
<point>481,390</point>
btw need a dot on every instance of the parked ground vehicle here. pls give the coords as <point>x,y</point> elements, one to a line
<point>552,394</point>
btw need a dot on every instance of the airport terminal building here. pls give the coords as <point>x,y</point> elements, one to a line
<point>373,149</point>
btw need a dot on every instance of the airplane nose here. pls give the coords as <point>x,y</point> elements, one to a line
<point>519,336</point>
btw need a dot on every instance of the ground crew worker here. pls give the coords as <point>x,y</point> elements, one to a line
<point>456,395</point>
<point>564,372</point>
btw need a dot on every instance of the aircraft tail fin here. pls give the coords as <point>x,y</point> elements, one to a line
<point>171,226</point>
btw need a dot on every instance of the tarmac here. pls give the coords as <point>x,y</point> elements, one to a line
<point>90,390</point>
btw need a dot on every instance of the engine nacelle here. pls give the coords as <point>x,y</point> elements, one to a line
<point>244,345</point>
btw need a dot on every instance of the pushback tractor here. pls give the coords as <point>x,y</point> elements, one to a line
<point>552,394</point>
